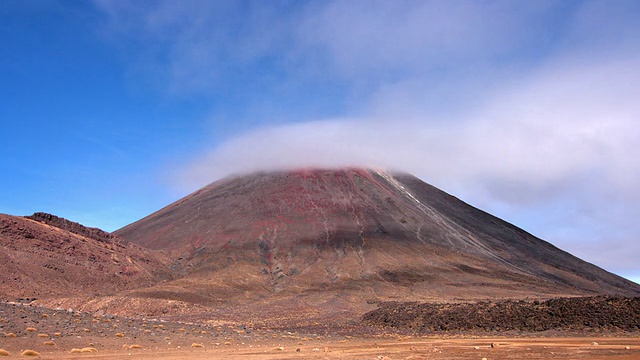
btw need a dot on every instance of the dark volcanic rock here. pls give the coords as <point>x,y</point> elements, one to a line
<point>76,228</point>
<point>565,314</point>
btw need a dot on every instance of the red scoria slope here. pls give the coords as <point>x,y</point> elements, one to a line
<point>335,237</point>
<point>39,260</point>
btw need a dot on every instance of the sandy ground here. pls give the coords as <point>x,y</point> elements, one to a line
<point>355,348</point>
<point>55,333</point>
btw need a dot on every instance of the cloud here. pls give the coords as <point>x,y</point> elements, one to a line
<point>563,121</point>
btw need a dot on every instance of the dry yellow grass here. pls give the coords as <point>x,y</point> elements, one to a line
<point>135,346</point>
<point>88,350</point>
<point>4,352</point>
<point>10,335</point>
<point>120,335</point>
<point>46,316</point>
<point>75,351</point>
<point>196,345</point>
<point>30,353</point>
<point>86,330</point>
<point>30,329</point>
<point>49,343</point>
<point>57,334</point>
<point>43,335</point>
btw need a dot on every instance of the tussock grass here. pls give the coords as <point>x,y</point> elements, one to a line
<point>46,316</point>
<point>135,346</point>
<point>43,335</point>
<point>49,343</point>
<point>30,329</point>
<point>120,335</point>
<point>4,352</point>
<point>30,353</point>
<point>86,330</point>
<point>57,334</point>
<point>10,335</point>
<point>75,351</point>
<point>196,345</point>
<point>88,350</point>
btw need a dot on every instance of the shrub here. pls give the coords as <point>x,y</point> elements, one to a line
<point>30,353</point>
<point>4,352</point>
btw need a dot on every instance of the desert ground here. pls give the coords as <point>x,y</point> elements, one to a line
<point>339,348</point>
<point>65,334</point>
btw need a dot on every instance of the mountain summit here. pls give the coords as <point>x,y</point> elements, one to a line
<point>353,235</point>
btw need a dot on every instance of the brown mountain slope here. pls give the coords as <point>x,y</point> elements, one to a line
<point>38,260</point>
<point>330,239</point>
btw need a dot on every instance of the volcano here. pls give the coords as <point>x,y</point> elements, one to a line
<point>351,236</point>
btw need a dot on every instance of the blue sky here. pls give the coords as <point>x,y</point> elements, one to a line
<point>529,110</point>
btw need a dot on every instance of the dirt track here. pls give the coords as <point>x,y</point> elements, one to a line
<point>388,348</point>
